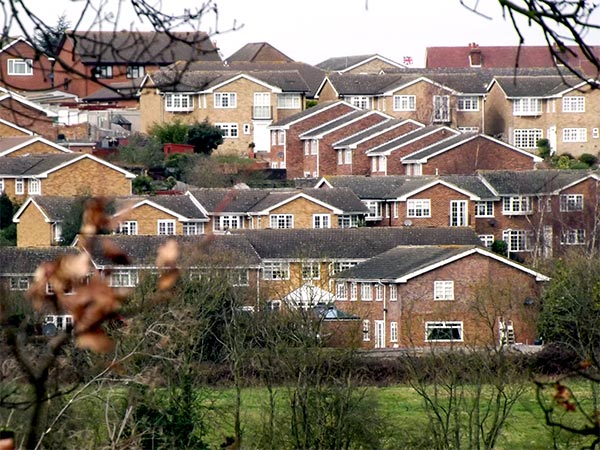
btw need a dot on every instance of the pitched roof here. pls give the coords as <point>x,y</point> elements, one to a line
<point>343,63</point>
<point>372,132</point>
<point>363,84</point>
<point>124,90</point>
<point>340,122</point>
<point>54,208</point>
<point>353,243</point>
<point>368,187</point>
<point>217,201</point>
<point>414,135</point>
<point>9,144</point>
<point>342,199</point>
<point>142,47</point>
<point>506,182</point>
<point>25,260</point>
<point>536,85</point>
<point>259,52</point>
<point>179,204</point>
<point>317,109</point>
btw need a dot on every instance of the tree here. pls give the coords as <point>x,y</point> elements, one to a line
<point>48,37</point>
<point>204,137</point>
<point>175,132</point>
<point>142,149</point>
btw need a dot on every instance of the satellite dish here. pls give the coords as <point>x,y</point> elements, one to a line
<point>408,223</point>
<point>49,329</point>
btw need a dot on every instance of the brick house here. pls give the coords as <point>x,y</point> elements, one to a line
<point>287,150</point>
<point>17,146</point>
<point>24,68</point>
<point>523,108</point>
<point>39,220</point>
<point>361,64</point>
<point>256,52</point>
<point>23,114</point>
<point>421,296</point>
<point>9,129</point>
<point>64,174</point>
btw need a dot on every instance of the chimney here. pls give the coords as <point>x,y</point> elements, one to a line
<point>475,58</point>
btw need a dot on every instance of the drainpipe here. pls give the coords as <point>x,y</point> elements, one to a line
<point>384,315</point>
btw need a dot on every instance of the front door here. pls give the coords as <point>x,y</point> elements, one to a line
<point>379,334</point>
<point>458,213</point>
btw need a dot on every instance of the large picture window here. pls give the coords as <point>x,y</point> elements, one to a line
<point>527,106</point>
<point>418,208</point>
<point>527,138</point>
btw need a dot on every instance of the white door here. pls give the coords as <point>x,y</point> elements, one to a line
<point>260,138</point>
<point>379,334</point>
<point>552,139</point>
<point>459,216</point>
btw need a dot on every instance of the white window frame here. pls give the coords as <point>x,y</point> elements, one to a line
<point>595,133</point>
<point>123,278</point>
<point>314,146</point>
<point>393,331</point>
<point>360,101</point>
<point>443,290</point>
<point>518,240</point>
<point>20,67</point>
<point>276,270</point>
<point>517,205</point>
<point>103,72</point>
<point>281,221</point>
<point>573,104</point>
<point>311,270</point>
<point>192,228</point>
<point>19,283</point>
<point>289,101</point>
<point>225,100</point>
<point>19,186</point>
<point>441,108</point>
<point>340,266</point>
<point>487,240</point>
<point>129,227</point>
<point>34,186</point>
<point>166,227</point>
<point>573,236</point>
<point>353,291</point>
<point>418,208</point>
<point>375,209</point>
<point>449,325</point>
<point>1,185</point>
<point>527,106</point>
<point>366,292</point>
<point>571,202</point>
<point>468,129</point>
<point>134,71</point>
<point>179,102</point>
<point>341,291</point>
<point>366,329</point>
<point>393,292</point>
<point>229,130</point>
<point>227,222</point>
<point>467,103</point>
<point>527,138</point>
<point>56,230</point>
<point>348,221</point>
<point>484,208</point>
<point>239,277</point>
<point>405,103</point>
<point>574,134</point>
<point>379,292</point>
<point>321,220</point>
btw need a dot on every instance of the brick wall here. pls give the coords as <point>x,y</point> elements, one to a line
<point>303,211</point>
<point>147,218</point>
<point>27,117</point>
<point>37,148</point>
<point>33,230</point>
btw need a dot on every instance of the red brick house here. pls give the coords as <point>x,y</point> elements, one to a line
<point>25,114</point>
<point>24,68</point>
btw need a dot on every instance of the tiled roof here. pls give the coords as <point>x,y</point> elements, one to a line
<point>202,250</point>
<point>406,138</point>
<point>535,86</point>
<point>532,181</point>
<point>9,142</point>
<point>364,84</point>
<point>217,201</point>
<point>334,124</point>
<point>179,204</point>
<point>340,198</point>
<point>401,261</point>
<point>368,187</point>
<point>369,132</point>
<point>472,184</point>
<point>259,52</point>
<point>321,106</point>
<point>142,47</point>
<point>34,164</point>
<point>57,208</point>
<point>343,62</point>
<point>353,243</point>
<point>24,260</point>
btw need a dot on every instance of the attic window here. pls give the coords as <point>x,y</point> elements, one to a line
<point>21,67</point>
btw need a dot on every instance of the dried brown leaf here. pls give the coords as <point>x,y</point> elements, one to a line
<point>7,444</point>
<point>167,254</point>
<point>95,340</point>
<point>115,253</point>
<point>167,279</point>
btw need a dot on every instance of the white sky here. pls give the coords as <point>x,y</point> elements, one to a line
<point>314,30</point>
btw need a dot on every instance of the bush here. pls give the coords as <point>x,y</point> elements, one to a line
<point>544,148</point>
<point>588,159</point>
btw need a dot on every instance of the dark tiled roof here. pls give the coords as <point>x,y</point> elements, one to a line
<point>179,204</point>
<point>406,138</point>
<point>34,164</point>
<point>125,90</point>
<point>364,84</point>
<point>369,187</point>
<point>531,181</point>
<point>259,52</point>
<point>535,86</point>
<point>343,62</point>
<point>9,142</point>
<point>321,106</point>
<point>217,201</point>
<point>24,260</point>
<point>401,261</point>
<point>441,146</point>
<point>201,250</point>
<point>334,124</point>
<point>372,131</point>
<point>470,183</point>
<point>354,243</point>
<point>341,198</point>
<point>142,47</point>
<point>57,208</point>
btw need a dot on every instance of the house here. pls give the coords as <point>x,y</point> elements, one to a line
<point>17,146</point>
<point>287,150</point>
<point>372,63</point>
<point>257,52</point>
<point>89,60</point>
<point>23,67</point>
<point>458,295</point>
<point>24,114</point>
<point>9,129</point>
<point>64,174</point>
<point>507,57</point>
<point>525,107</point>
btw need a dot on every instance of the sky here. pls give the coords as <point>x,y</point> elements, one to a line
<point>313,30</point>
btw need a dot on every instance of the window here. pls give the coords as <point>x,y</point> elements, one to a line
<point>102,72</point>
<point>374,209</point>
<point>60,321</point>
<point>362,102</point>
<point>468,129</point>
<point>179,102</point>
<point>135,71</point>
<point>393,292</point>
<point>225,100</point>
<point>366,330</point>
<point>520,204</point>
<point>571,202</point>
<point>311,270</point>
<point>441,108</point>
<point>1,185</point>
<point>276,270</point>
<point>366,291</point>
<point>573,104</point>
<point>418,208</point>
<point>35,187</point>
<point>246,128</point>
<point>192,228</point>
<point>281,137</point>
<point>321,221</point>
<point>393,331</point>
<point>288,101</point>
<point>19,186</point>
<point>470,103</point>
<point>517,240</point>
<point>379,288</point>
<point>574,135</point>
<point>486,240</point>
<point>415,170</point>
<point>314,146</point>
<point>353,291</point>
<point>527,106</point>
<point>281,221</point>
<point>405,102</point>
<point>129,227</point>
<point>340,266</point>
<point>573,237</point>
<point>229,130</point>
<point>347,221</point>
<point>484,208</point>
<point>527,138</point>
<point>443,290</point>
<point>443,331</point>
<point>20,67</point>
<point>224,223</point>
<point>274,305</point>
<point>239,277</point>
<point>124,278</point>
<point>341,293</point>
<point>19,283</point>
<point>166,227</point>
<point>56,231</point>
